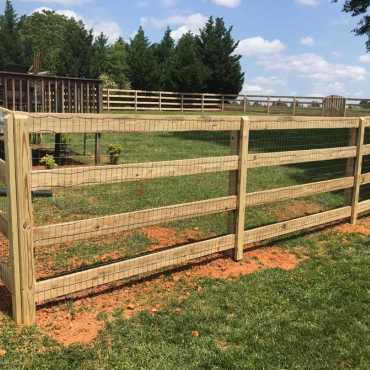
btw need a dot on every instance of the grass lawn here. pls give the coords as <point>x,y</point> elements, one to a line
<point>313,317</point>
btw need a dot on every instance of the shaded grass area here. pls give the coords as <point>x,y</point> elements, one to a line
<point>314,317</point>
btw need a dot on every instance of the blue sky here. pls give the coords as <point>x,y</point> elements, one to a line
<point>294,47</point>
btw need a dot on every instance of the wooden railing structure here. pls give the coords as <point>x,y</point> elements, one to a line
<point>138,100</point>
<point>24,237</point>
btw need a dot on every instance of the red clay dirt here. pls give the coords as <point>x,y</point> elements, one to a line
<point>79,323</point>
<point>362,227</point>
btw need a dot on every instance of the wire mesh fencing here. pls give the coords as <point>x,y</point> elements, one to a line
<point>111,197</point>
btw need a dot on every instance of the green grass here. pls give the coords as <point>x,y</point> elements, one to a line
<point>314,317</point>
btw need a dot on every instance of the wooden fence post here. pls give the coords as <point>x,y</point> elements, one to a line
<point>23,222</point>
<point>108,99</point>
<point>268,105</point>
<point>358,171</point>
<point>202,102</point>
<point>294,106</point>
<point>160,101</point>
<point>223,104</point>
<point>12,219</point>
<point>135,100</point>
<point>241,188</point>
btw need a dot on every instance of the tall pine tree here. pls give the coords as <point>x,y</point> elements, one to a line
<point>191,73</point>
<point>217,49</point>
<point>165,56</point>
<point>11,49</point>
<point>141,62</point>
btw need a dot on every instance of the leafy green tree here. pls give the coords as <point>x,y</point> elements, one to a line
<point>165,56</point>
<point>217,49</point>
<point>100,55</point>
<point>191,74</point>
<point>141,62</point>
<point>116,64</point>
<point>357,8</point>
<point>66,46</point>
<point>11,49</point>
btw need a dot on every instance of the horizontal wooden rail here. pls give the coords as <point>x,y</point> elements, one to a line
<point>92,123</point>
<point>364,206</point>
<point>300,156</point>
<point>130,172</point>
<point>100,226</point>
<point>5,276</point>
<point>2,171</point>
<point>298,224</point>
<point>95,227</point>
<point>64,285</point>
<point>298,191</point>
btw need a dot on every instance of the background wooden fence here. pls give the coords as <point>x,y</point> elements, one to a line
<point>137,100</point>
<point>22,180</point>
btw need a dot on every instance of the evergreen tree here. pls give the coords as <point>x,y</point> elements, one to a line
<point>116,65</point>
<point>165,56</point>
<point>100,55</point>
<point>141,62</point>
<point>191,73</point>
<point>217,48</point>
<point>11,49</point>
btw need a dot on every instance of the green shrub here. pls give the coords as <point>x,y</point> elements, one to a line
<point>114,151</point>
<point>48,161</point>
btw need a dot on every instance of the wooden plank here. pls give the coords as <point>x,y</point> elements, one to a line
<point>100,226</point>
<point>358,171</point>
<point>299,156</point>
<point>298,191</point>
<point>92,123</point>
<point>74,176</point>
<point>64,285</point>
<point>242,188</point>
<point>13,220</point>
<point>303,223</point>
<point>363,206</point>
<point>23,162</point>
<point>5,276</point>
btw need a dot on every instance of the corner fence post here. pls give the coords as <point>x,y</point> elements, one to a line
<point>12,219</point>
<point>241,188</point>
<point>24,219</point>
<point>358,170</point>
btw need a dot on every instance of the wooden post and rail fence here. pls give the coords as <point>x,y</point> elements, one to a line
<point>18,274</point>
<point>115,100</point>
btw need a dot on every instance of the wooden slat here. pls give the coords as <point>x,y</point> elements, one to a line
<point>298,191</point>
<point>92,123</point>
<point>2,171</point>
<point>130,172</point>
<point>64,285</point>
<point>287,227</point>
<point>299,156</point>
<point>241,188</point>
<point>364,206</point>
<point>358,171</point>
<point>95,227</point>
<point>5,276</point>
<point>365,178</point>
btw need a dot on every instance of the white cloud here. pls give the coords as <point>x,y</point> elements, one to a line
<point>257,46</point>
<point>183,24</point>
<point>227,3</point>
<point>311,3</point>
<point>110,28</point>
<point>168,3</point>
<point>364,58</point>
<point>307,41</point>
<point>263,85</point>
<point>314,67</point>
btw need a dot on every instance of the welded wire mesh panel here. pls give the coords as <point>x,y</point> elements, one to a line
<point>118,197</point>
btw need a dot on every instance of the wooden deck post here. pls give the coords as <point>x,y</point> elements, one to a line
<point>241,189</point>
<point>21,221</point>
<point>358,171</point>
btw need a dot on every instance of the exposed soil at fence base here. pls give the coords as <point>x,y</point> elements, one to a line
<point>78,322</point>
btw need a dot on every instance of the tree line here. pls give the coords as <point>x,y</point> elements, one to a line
<point>206,62</point>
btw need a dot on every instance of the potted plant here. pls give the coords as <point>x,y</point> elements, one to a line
<point>48,161</point>
<point>114,151</point>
